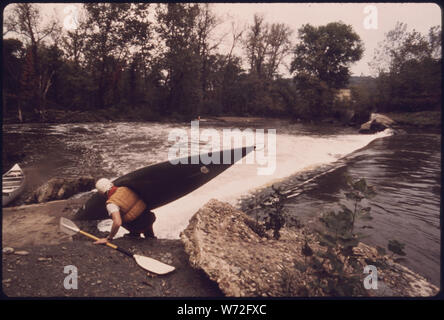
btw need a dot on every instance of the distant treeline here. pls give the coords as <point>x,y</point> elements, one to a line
<point>163,60</point>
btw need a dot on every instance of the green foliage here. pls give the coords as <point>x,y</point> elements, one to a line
<point>396,247</point>
<point>266,46</point>
<point>163,59</point>
<point>272,216</point>
<point>12,65</point>
<point>326,52</point>
<point>362,101</point>
<point>275,213</point>
<point>257,227</point>
<point>408,69</point>
<point>321,64</point>
<point>339,239</point>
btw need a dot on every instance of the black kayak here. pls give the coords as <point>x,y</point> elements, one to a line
<point>164,182</point>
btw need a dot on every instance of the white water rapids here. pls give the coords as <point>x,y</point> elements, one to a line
<point>294,153</point>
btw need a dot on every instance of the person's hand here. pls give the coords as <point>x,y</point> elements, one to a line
<point>101,241</point>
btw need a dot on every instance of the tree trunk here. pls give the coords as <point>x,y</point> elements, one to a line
<point>19,113</point>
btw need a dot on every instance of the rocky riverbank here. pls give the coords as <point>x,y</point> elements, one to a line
<point>429,121</point>
<point>246,262</point>
<point>220,254</point>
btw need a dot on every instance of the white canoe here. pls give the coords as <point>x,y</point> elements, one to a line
<point>13,183</point>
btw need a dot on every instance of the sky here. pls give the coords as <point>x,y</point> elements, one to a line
<point>420,16</point>
<point>371,21</point>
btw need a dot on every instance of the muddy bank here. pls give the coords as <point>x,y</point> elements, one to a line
<point>41,252</point>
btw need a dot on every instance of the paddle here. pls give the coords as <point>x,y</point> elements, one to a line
<point>149,264</point>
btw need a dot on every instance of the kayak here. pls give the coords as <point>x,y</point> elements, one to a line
<point>13,183</point>
<point>165,182</point>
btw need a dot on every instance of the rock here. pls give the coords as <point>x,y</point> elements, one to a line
<point>382,119</point>
<point>220,242</point>
<point>365,127</point>
<point>43,259</point>
<point>61,188</point>
<point>8,250</point>
<point>377,122</point>
<point>21,253</point>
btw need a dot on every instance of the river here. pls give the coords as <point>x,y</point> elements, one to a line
<point>405,169</point>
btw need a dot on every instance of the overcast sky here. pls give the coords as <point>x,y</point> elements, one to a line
<point>418,16</point>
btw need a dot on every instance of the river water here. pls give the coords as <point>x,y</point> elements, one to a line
<point>405,169</point>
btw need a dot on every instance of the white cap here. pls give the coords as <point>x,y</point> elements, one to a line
<point>103,185</point>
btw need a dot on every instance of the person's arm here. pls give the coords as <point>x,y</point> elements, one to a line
<point>117,222</point>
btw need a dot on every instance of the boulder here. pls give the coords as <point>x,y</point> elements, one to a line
<point>377,122</point>
<point>221,241</point>
<point>365,127</point>
<point>61,188</point>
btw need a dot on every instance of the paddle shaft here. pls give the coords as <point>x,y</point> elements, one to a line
<point>108,243</point>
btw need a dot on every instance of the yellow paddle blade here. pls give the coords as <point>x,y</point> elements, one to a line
<point>153,265</point>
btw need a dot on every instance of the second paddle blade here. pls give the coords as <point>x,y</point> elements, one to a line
<point>153,265</point>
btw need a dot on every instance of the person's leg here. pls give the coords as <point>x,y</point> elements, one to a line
<point>132,227</point>
<point>142,224</point>
<point>149,233</point>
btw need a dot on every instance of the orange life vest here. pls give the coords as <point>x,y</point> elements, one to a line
<point>131,206</point>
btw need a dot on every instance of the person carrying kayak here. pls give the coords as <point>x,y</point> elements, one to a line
<point>126,209</point>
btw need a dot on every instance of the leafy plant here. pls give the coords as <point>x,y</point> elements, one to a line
<point>275,219</point>
<point>339,238</point>
<point>397,248</point>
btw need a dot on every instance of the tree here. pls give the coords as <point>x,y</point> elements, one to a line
<point>25,20</point>
<point>236,35</point>
<point>51,62</point>
<point>279,47</point>
<point>435,42</point>
<point>180,61</point>
<point>28,84</point>
<point>322,60</point>
<point>408,67</point>
<point>256,44</point>
<point>225,93</point>
<point>206,24</point>
<point>112,30</point>
<point>326,53</point>
<point>266,46</point>
<point>73,43</point>
<point>13,56</point>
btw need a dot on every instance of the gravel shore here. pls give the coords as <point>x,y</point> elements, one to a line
<point>36,267</point>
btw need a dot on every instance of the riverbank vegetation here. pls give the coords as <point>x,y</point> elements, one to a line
<point>121,61</point>
<point>331,245</point>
